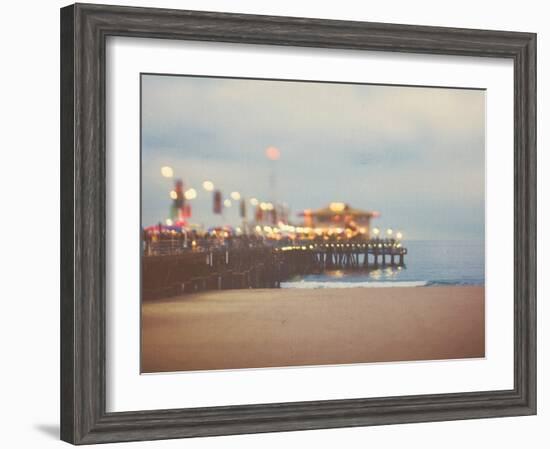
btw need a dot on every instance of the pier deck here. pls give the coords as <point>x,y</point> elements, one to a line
<point>170,270</point>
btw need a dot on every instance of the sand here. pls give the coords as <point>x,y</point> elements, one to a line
<point>286,327</point>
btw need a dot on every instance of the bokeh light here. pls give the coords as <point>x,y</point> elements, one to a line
<point>190,194</point>
<point>272,153</point>
<point>337,207</point>
<point>167,171</point>
<point>208,186</point>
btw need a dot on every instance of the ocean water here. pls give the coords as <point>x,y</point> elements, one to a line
<point>427,263</point>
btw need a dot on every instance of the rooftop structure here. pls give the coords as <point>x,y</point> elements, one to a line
<point>339,215</point>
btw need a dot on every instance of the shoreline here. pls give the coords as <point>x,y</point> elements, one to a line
<point>257,328</point>
<point>315,285</point>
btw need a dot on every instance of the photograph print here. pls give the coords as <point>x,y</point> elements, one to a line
<point>305,223</point>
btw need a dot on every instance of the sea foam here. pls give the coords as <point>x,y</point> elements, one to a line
<point>329,284</point>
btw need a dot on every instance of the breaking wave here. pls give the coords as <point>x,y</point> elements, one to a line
<point>329,284</point>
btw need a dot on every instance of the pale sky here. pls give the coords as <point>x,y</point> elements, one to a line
<point>416,155</point>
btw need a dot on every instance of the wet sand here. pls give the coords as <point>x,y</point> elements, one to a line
<point>290,327</point>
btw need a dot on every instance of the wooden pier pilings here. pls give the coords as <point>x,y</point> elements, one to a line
<point>258,267</point>
<point>171,275</point>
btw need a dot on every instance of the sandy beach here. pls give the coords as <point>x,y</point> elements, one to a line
<point>289,327</point>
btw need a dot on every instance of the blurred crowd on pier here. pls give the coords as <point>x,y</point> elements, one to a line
<point>160,239</point>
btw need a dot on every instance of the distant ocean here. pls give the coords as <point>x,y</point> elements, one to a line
<point>427,263</point>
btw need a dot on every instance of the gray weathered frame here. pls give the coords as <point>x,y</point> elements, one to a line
<point>84,29</point>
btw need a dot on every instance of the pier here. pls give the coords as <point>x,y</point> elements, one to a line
<point>262,252</point>
<point>171,269</point>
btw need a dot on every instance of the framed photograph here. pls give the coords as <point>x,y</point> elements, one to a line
<point>276,223</point>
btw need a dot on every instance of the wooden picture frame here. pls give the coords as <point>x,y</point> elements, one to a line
<point>84,29</point>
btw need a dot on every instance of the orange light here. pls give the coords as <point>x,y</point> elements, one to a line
<point>272,153</point>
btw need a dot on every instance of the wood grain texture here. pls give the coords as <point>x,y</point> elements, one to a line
<point>84,29</point>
